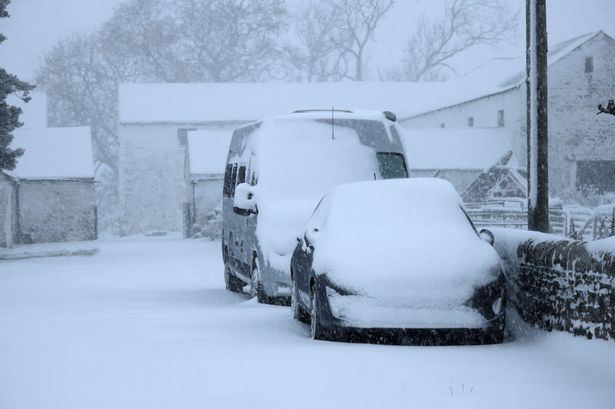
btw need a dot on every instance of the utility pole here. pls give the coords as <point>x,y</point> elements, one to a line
<point>537,124</point>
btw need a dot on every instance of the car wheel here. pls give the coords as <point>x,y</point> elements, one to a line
<point>256,286</point>
<point>232,283</point>
<point>316,329</point>
<point>298,312</point>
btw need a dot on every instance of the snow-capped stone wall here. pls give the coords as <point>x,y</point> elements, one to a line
<point>56,210</point>
<point>560,284</point>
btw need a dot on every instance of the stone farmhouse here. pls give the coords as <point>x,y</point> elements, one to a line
<point>163,126</point>
<point>581,74</point>
<point>50,195</point>
<point>170,175</point>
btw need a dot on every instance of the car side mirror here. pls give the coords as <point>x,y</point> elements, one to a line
<point>487,235</point>
<point>244,202</point>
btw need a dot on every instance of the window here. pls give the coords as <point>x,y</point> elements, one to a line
<point>233,180</point>
<point>501,117</point>
<point>392,165</point>
<point>226,190</point>
<point>471,121</point>
<point>589,65</point>
<point>596,174</point>
<point>241,175</point>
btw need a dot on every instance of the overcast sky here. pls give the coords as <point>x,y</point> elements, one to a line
<point>36,25</point>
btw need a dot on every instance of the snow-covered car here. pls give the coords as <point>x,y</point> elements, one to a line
<point>393,261</point>
<point>277,171</point>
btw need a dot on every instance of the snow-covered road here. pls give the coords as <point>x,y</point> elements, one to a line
<point>147,323</point>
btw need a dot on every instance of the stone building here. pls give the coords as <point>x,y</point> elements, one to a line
<point>483,114</point>
<point>50,195</point>
<point>581,74</point>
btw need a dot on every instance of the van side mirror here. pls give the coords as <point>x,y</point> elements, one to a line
<point>310,237</point>
<point>487,235</point>
<point>244,202</point>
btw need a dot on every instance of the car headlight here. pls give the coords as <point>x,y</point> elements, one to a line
<point>490,300</point>
<point>496,307</point>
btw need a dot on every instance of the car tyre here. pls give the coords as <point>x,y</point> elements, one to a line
<point>232,283</point>
<point>298,313</point>
<point>316,329</point>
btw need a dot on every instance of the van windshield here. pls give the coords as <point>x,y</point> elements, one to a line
<point>307,158</point>
<point>392,165</point>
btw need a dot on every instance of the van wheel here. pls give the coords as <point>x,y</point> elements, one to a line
<point>298,312</point>
<point>232,283</point>
<point>256,286</point>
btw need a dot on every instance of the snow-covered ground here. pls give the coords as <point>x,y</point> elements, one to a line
<point>146,323</point>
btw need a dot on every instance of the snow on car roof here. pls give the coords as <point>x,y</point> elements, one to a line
<point>455,148</point>
<point>208,150</point>
<point>370,235</point>
<point>53,153</point>
<point>383,192</point>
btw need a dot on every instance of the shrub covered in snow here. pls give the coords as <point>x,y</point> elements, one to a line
<point>212,228</point>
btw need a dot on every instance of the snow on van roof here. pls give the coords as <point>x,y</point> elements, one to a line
<point>208,150</point>
<point>53,153</point>
<point>455,148</point>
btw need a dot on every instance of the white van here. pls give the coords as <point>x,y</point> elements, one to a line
<point>278,169</point>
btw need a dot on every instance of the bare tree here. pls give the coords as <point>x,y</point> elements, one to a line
<point>466,24</point>
<point>138,42</point>
<point>229,40</point>
<point>318,56</point>
<point>356,25</point>
<point>82,91</point>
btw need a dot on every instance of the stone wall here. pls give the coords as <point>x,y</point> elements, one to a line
<point>559,284</point>
<point>56,210</point>
<point>8,211</point>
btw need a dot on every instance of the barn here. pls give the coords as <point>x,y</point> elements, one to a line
<point>50,195</point>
